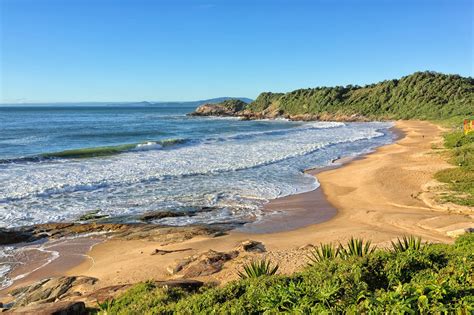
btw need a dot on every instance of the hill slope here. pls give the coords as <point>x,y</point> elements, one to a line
<point>422,95</point>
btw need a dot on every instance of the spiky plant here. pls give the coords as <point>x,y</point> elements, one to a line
<point>323,252</point>
<point>410,242</point>
<point>356,247</point>
<point>258,268</point>
<point>105,306</point>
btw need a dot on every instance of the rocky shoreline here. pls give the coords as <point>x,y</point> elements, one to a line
<point>237,108</point>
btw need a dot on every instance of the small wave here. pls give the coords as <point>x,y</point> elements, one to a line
<point>97,151</point>
<point>276,132</point>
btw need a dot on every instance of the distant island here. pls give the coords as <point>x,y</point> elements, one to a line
<point>421,95</point>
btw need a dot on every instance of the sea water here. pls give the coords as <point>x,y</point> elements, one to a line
<point>60,161</point>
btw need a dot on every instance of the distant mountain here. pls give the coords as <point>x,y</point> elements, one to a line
<point>140,103</point>
<point>207,101</point>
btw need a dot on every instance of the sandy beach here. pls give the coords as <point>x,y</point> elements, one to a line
<point>378,197</point>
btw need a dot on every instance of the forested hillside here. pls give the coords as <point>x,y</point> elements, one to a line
<point>422,95</point>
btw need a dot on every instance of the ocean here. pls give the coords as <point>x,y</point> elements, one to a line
<point>60,161</point>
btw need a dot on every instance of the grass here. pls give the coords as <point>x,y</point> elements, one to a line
<point>428,279</point>
<point>460,179</point>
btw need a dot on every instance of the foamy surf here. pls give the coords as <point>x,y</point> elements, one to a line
<point>235,173</point>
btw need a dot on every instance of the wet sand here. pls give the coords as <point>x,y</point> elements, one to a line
<point>377,197</point>
<point>48,259</point>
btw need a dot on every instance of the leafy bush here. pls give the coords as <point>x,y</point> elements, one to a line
<point>436,279</point>
<point>258,268</point>
<point>461,178</point>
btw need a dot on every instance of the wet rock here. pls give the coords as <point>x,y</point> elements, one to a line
<point>203,264</point>
<point>92,215</point>
<point>58,308</point>
<point>12,236</point>
<point>157,215</point>
<point>251,246</point>
<point>49,290</point>
<point>151,232</point>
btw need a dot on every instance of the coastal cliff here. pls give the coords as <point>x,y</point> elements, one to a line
<point>422,95</point>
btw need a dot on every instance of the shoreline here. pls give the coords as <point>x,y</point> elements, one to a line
<point>289,213</point>
<point>374,194</point>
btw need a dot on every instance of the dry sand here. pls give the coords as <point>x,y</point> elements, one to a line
<point>377,197</point>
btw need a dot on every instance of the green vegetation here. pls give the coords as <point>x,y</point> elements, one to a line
<point>422,95</point>
<point>356,247</point>
<point>258,268</point>
<point>429,279</point>
<point>323,252</point>
<point>407,243</point>
<point>233,105</point>
<point>461,178</point>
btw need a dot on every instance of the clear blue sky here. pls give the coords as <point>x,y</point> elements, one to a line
<point>105,50</point>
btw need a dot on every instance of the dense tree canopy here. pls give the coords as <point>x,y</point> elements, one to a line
<point>422,95</point>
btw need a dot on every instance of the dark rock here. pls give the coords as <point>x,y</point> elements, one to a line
<point>157,215</point>
<point>12,236</point>
<point>251,246</point>
<point>92,215</point>
<point>164,252</point>
<point>58,308</point>
<point>185,284</point>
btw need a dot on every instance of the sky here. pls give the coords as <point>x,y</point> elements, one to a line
<point>136,50</point>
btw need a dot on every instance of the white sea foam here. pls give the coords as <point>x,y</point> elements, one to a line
<point>236,173</point>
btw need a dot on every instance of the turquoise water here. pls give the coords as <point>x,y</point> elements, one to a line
<point>60,161</point>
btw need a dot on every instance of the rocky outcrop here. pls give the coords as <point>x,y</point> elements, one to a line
<point>161,214</point>
<point>236,108</point>
<point>226,108</point>
<point>69,295</point>
<point>251,246</point>
<point>152,232</point>
<point>58,308</point>
<point>50,290</point>
<point>203,264</point>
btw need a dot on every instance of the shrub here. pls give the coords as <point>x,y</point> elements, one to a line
<point>437,279</point>
<point>407,243</point>
<point>258,268</point>
<point>356,247</point>
<point>323,252</point>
